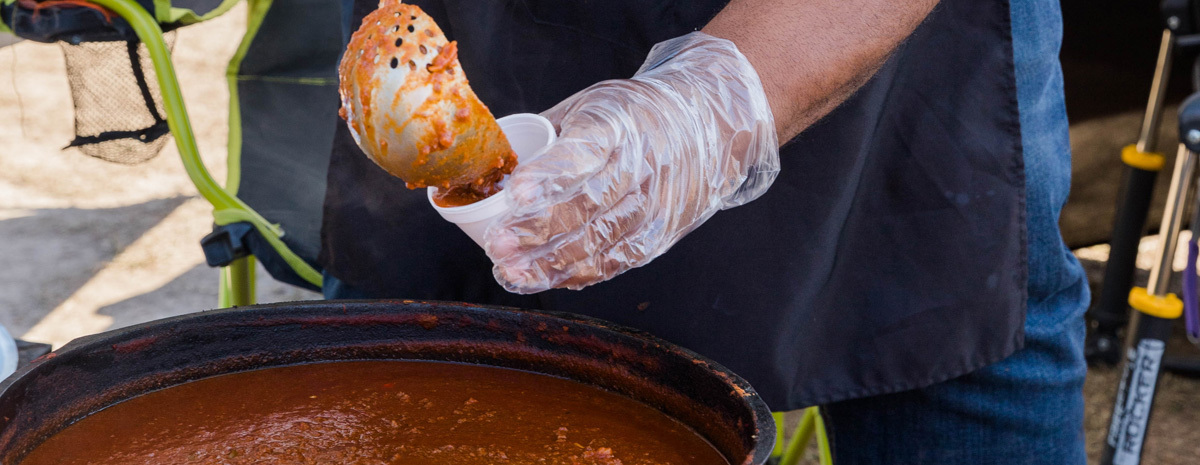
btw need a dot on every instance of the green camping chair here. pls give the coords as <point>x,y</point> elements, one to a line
<point>283,111</point>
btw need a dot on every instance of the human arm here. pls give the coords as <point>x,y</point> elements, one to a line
<point>811,55</point>
<point>641,162</point>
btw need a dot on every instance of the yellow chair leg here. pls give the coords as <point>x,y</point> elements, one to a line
<point>780,426</point>
<point>810,424</point>
<point>237,284</point>
<point>823,449</point>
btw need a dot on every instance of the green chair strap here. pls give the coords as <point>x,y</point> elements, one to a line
<point>273,234</point>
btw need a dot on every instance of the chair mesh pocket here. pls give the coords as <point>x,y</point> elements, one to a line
<point>119,113</point>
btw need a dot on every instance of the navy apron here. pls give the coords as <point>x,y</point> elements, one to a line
<point>889,255</point>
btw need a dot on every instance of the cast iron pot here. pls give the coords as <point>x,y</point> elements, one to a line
<point>97,371</point>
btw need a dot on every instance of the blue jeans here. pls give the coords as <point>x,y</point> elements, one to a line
<point>1028,408</point>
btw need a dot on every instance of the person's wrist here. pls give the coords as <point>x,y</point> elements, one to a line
<point>710,73</point>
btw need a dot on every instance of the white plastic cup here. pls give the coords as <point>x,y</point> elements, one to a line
<point>528,134</point>
<point>8,354</point>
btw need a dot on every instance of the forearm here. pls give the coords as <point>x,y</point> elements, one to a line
<point>813,54</point>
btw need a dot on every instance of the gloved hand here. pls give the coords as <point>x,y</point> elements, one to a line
<point>639,163</point>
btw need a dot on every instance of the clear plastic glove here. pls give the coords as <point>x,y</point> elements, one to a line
<point>639,163</point>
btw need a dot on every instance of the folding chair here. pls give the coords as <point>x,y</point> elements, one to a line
<point>283,111</point>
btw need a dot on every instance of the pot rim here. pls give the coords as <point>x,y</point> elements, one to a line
<point>372,312</point>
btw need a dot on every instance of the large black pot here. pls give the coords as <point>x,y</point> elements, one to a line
<point>97,371</point>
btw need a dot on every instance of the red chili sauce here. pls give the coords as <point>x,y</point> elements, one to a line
<point>379,412</point>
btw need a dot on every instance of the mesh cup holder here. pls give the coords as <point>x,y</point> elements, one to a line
<point>119,113</point>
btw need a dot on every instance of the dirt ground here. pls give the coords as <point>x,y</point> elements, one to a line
<point>87,245</point>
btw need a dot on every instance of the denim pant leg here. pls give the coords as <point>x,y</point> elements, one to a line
<point>1026,409</point>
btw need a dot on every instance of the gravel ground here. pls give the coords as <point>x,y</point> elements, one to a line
<point>87,245</point>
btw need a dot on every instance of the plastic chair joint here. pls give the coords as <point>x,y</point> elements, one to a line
<point>1147,161</point>
<point>1166,307</point>
<point>226,243</point>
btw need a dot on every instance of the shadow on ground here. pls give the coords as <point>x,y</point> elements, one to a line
<point>190,292</point>
<point>70,245</point>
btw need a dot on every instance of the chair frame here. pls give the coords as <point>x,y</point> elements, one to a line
<point>238,278</point>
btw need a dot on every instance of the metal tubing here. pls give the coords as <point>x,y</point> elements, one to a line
<point>801,438</point>
<point>1111,311</point>
<point>1141,373</point>
<point>1112,303</point>
<point>1181,180</point>
<point>780,426</point>
<point>824,452</point>
<point>1148,139</point>
<point>241,281</point>
<point>1182,365</point>
<point>1148,334</point>
<point>237,287</point>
